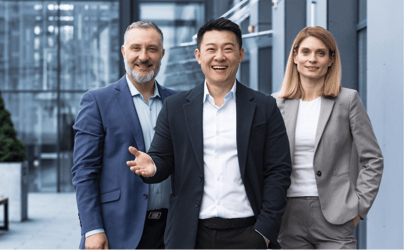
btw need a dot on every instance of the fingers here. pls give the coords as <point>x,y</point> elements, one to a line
<point>134,151</point>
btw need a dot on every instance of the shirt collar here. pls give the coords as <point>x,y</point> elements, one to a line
<point>232,92</point>
<point>134,91</point>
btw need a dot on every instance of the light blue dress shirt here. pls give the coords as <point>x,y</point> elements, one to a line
<point>148,112</point>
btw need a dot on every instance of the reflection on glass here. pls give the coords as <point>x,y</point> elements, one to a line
<point>178,22</point>
<point>50,54</point>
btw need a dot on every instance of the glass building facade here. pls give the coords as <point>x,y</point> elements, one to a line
<point>50,54</point>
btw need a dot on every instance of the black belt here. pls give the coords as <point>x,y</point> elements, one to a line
<point>220,223</point>
<point>158,214</point>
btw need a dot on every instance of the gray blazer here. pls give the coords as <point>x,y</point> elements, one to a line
<point>343,124</point>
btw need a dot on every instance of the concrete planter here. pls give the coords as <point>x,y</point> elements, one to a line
<point>14,185</point>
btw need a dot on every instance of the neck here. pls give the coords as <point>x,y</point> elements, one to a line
<point>218,91</point>
<point>313,88</point>
<point>146,89</point>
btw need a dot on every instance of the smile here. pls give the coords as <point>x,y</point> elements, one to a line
<point>311,67</point>
<point>219,67</point>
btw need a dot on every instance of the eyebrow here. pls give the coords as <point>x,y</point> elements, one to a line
<point>148,46</point>
<point>325,49</point>
<point>214,44</point>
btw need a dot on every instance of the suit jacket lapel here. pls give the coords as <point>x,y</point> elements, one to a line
<point>327,105</point>
<point>162,92</point>
<point>125,100</point>
<point>245,115</point>
<point>193,116</point>
<point>290,116</point>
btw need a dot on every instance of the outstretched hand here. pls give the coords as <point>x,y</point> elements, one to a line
<point>142,165</point>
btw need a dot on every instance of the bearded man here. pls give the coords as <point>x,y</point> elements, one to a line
<point>116,208</point>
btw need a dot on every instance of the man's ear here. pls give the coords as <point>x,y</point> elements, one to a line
<point>123,51</point>
<point>163,53</point>
<point>197,55</point>
<point>242,52</point>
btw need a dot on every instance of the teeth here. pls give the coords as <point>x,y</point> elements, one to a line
<point>216,67</point>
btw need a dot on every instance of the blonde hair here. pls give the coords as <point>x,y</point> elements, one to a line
<point>291,85</point>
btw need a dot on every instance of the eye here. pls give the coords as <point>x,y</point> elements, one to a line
<point>153,49</point>
<point>228,49</point>
<point>210,49</point>
<point>321,53</point>
<point>305,52</point>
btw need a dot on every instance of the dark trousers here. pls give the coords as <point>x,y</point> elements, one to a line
<point>153,230</point>
<point>218,233</point>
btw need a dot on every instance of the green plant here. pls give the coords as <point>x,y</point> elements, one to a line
<point>11,149</point>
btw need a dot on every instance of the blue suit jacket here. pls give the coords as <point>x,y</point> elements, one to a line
<point>108,194</point>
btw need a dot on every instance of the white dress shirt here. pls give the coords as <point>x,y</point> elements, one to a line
<point>224,193</point>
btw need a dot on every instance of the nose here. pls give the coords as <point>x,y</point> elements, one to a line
<point>313,57</point>
<point>143,55</point>
<point>220,55</point>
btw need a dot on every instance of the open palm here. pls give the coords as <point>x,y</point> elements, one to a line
<point>142,165</point>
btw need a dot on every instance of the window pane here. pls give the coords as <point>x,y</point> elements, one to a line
<point>50,54</point>
<point>178,22</point>
<point>30,39</point>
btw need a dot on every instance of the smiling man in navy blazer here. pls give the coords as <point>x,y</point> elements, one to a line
<point>226,148</point>
<point>116,208</point>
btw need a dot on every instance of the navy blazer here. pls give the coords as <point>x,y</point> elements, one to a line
<point>263,153</point>
<point>108,194</point>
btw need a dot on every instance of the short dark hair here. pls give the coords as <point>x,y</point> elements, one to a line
<point>220,24</point>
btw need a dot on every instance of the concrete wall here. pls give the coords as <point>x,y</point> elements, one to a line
<point>14,185</point>
<point>386,110</point>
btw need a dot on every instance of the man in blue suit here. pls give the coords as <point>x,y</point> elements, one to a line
<point>116,208</point>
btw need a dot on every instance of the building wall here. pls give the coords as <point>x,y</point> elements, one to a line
<point>386,111</point>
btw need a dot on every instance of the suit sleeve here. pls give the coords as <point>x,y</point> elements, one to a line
<point>369,154</point>
<point>277,170</point>
<point>161,148</point>
<point>88,149</point>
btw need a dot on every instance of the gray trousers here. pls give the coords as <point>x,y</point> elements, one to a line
<point>304,226</point>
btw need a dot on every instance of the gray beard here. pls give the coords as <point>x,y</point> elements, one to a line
<point>141,79</point>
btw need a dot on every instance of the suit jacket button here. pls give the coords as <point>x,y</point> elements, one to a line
<point>200,178</point>
<point>318,173</point>
<point>197,204</point>
<point>145,196</point>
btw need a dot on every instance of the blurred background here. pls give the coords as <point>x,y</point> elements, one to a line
<point>52,52</point>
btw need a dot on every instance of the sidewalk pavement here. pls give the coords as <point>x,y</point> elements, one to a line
<point>52,223</point>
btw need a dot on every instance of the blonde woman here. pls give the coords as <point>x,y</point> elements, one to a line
<point>324,122</point>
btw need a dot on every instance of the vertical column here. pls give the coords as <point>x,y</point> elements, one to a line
<point>289,18</point>
<point>386,111</point>
<point>316,13</point>
<point>278,44</point>
<point>342,16</point>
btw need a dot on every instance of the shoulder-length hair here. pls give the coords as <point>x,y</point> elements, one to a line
<point>291,85</point>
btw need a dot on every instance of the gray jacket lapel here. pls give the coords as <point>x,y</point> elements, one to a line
<point>327,105</point>
<point>290,117</point>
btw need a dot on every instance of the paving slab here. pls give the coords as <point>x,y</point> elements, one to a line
<point>52,224</point>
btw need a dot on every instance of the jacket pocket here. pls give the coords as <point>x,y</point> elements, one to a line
<point>110,196</point>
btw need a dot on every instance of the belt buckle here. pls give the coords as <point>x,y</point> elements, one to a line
<point>154,215</point>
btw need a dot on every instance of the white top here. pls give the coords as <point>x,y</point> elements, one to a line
<point>303,177</point>
<point>224,194</point>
